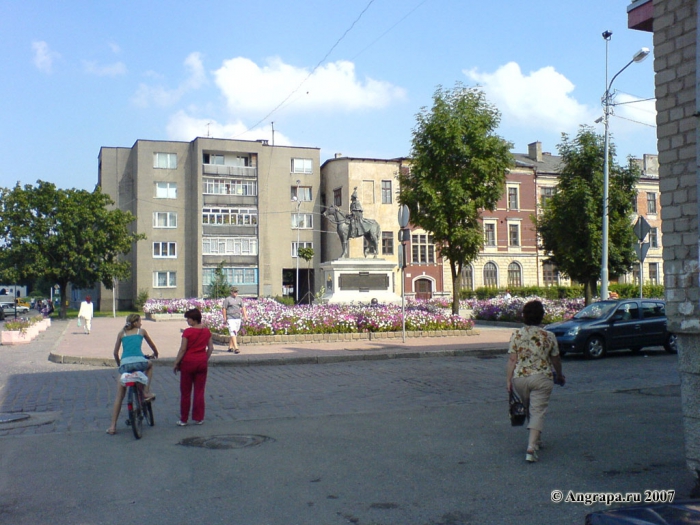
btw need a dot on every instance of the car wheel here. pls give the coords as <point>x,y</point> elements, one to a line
<point>636,350</point>
<point>671,344</point>
<point>595,347</point>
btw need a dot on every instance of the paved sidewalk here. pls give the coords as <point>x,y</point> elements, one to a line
<point>75,347</point>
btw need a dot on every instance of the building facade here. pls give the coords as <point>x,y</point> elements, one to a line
<point>246,206</point>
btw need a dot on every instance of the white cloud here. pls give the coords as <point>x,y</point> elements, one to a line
<point>540,100</point>
<point>635,109</point>
<point>250,88</point>
<point>43,56</point>
<point>185,127</point>
<point>110,70</point>
<point>147,95</point>
<point>115,48</point>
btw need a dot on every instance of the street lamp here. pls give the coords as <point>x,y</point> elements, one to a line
<point>607,104</point>
<point>298,201</point>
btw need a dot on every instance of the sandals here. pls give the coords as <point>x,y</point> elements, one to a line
<point>531,455</point>
<point>181,423</point>
<point>111,432</point>
<point>150,397</point>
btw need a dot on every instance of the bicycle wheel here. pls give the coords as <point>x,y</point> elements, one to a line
<point>135,412</point>
<point>148,411</point>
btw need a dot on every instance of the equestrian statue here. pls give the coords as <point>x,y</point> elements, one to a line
<point>355,225</point>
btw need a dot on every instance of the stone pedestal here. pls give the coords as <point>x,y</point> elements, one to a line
<point>360,281</point>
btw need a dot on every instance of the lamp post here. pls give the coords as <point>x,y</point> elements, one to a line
<point>296,284</point>
<point>607,105</point>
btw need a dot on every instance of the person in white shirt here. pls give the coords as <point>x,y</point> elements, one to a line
<point>85,314</point>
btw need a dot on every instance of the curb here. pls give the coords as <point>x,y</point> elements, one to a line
<point>224,361</point>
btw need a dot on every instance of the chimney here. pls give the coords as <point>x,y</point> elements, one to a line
<point>534,151</point>
<point>338,155</point>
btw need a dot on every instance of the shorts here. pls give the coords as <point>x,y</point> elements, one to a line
<point>234,326</point>
<point>139,366</point>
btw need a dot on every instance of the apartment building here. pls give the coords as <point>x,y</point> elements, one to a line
<point>246,205</point>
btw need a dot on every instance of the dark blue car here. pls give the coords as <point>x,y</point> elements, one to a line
<point>613,325</point>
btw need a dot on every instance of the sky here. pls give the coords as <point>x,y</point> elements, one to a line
<point>344,76</point>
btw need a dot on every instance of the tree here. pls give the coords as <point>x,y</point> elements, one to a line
<point>458,168</point>
<point>307,254</point>
<point>219,286</point>
<point>571,224</point>
<point>64,236</point>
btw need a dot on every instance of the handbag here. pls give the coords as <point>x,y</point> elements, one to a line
<point>517,411</point>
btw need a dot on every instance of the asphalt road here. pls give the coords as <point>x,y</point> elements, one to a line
<point>411,441</point>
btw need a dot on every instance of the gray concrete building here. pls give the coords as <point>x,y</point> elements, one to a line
<point>246,204</point>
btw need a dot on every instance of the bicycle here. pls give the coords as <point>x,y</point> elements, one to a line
<point>138,406</point>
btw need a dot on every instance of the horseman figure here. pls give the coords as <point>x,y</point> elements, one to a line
<point>357,226</point>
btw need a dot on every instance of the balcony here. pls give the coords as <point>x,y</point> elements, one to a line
<point>229,171</point>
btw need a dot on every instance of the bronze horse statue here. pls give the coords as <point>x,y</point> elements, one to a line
<point>373,231</point>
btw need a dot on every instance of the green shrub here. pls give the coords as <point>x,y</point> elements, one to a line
<point>141,299</point>
<point>286,300</point>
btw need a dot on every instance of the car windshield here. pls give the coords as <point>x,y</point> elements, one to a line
<point>595,311</point>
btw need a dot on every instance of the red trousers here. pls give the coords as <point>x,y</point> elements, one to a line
<point>192,375</point>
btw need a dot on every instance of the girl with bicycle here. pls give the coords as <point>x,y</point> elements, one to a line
<point>130,339</point>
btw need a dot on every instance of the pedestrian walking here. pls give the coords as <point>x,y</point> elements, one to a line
<point>232,309</point>
<point>192,363</point>
<point>533,352</point>
<point>85,314</point>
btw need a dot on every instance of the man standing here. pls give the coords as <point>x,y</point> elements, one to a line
<point>232,309</point>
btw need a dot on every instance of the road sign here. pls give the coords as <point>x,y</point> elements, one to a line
<point>641,228</point>
<point>642,250</point>
<point>404,216</point>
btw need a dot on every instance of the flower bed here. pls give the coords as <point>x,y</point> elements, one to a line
<point>22,330</point>
<point>268,317</point>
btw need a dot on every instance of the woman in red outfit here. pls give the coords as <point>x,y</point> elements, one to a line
<point>191,362</point>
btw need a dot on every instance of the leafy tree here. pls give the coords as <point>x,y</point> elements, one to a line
<point>63,236</point>
<point>571,224</point>
<point>458,168</point>
<point>219,286</point>
<point>307,254</point>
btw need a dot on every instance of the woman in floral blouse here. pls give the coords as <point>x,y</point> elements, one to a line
<point>533,352</point>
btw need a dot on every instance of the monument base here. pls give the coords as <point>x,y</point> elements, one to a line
<point>360,281</point>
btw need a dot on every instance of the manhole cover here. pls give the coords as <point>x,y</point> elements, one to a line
<point>228,441</point>
<point>11,418</point>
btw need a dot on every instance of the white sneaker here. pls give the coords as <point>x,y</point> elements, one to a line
<point>531,457</point>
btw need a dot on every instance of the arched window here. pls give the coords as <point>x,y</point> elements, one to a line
<point>491,275</point>
<point>515,275</point>
<point>468,277</point>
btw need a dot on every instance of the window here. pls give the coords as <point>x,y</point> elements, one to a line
<point>386,192</point>
<point>546,193</point>
<point>165,219</point>
<point>211,158</point>
<point>164,249</point>
<point>514,275</point>
<point>468,277</point>
<point>230,216</point>
<point>654,273</point>
<point>422,249</point>
<point>549,274</point>
<point>651,309</point>
<point>512,198</point>
<point>164,279</point>
<point>302,166</point>
<point>338,197</point>
<point>302,193</point>
<point>651,203</point>
<point>635,273</point>
<point>490,274</point>
<point>654,238</point>
<point>229,246</point>
<point>489,234</point>
<point>165,160</point>
<point>514,234</point>
<point>387,243</point>
<point>244,187</point>
<point>303,221</point>
<point>634,202</point>
<point>233,276</point>
<point>166,190</point>
<point>301,244</point>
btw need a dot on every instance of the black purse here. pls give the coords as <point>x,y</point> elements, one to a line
<point>517,411</point>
